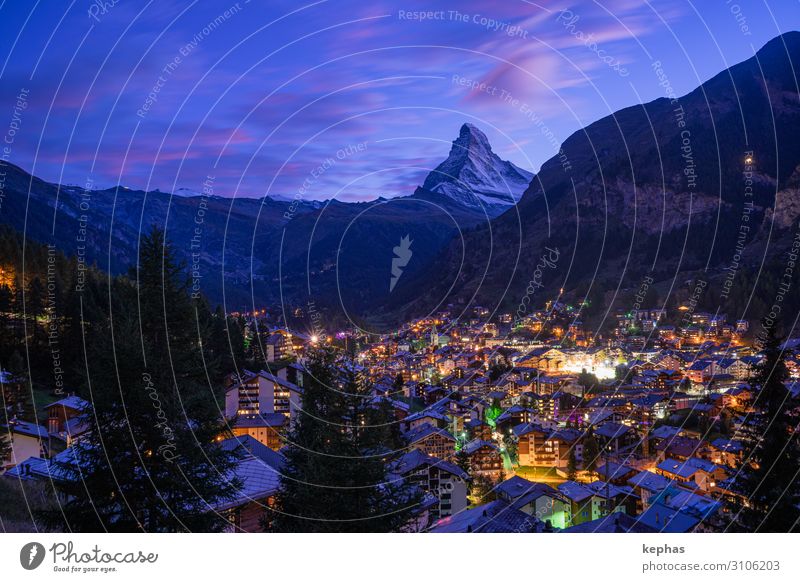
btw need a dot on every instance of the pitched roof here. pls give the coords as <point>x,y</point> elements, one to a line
<point>575,491</point>
<point>246,445</point>
<point>568,435</point>
<point>426,430</point>
<point>612,430</point>
<point>520,492</point>
<point>609,490</point>
<point>614,470</point>
<point>258,480</point>
<point>616,522</point>
<point>74,402</point>
<point>415,459</point>
<point>477,444</point>
<point>494,517</point>
<point>665,519</point>
<point>727,445</point>
<point>687,468</point>
<point>527,427</point>
<point>26,428</point>
<point>650,481</point>
<point>665,432</point>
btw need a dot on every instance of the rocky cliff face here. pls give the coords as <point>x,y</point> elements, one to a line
<point>475,177</point>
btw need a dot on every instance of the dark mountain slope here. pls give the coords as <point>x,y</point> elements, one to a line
<point>654,190</point>
<point>254,252</point>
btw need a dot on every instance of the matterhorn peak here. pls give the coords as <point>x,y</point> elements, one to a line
<point>474,176</point>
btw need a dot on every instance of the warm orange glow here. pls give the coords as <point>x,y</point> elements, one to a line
<point>7,276</point>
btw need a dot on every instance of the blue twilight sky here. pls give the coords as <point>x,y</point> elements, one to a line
<point>274,97</point>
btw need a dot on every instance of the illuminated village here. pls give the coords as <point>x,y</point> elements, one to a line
<point>518,424</point>
<point>638,430</point>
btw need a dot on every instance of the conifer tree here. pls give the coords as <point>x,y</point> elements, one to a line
<point>771,482</point>
<point>335,478</point>
<point>150,461</point>
<point>591,451</point>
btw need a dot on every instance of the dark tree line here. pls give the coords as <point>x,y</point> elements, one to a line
<point>149,461</point>
<point>770,480</point>
<point>150,361</point>
<point>337,478</point>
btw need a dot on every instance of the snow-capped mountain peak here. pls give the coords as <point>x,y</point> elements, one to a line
<point>475,176</point>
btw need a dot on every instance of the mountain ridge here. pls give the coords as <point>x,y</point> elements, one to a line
<point>250,250</point>
<point>639,199</point>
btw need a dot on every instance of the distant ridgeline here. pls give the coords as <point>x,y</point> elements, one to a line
<point>256,252</point>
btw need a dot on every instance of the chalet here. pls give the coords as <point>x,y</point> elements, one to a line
<point>701,371</point>
<point>694,472</point>
<point>680,447</point>
<point>276,347</point>
<point>606,411</point>
<point>544,359</point>
<point>543,447</point>
<point>647,485</point>
<point>536,499</point>
<point>66,418</point>
<point>512,417</point>
<point>433,441</point>
<point>666,361</point>
<point>726,452</point>
<point>412,389</point>
<point>735,367</point>
<point>262,393</point>
<point>484,458</point>
<point>477,429</point>
<point>258,469</point>
<point>646,410</point>
<point>616,473</point>
<point>476,404</point>
<point>27,440</point>
<point>427,416</point>
<point>613,437</point>
<point>584,504</point>
<point>614,498</point>
<point>663,433</point>
<point>431,394</point>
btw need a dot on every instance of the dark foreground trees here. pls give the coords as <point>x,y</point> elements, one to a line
<point>150,462</point>
<point>770,479</point>
<point>336,478</point>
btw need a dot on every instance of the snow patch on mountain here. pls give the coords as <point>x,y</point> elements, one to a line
<point>474,176</point>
